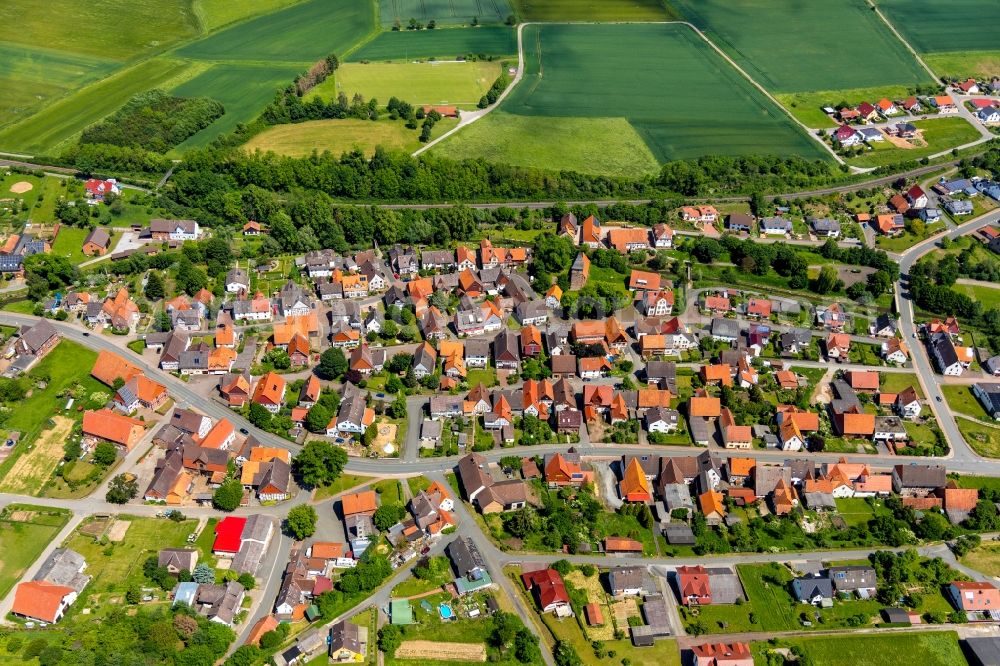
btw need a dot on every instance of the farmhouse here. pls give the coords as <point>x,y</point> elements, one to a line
<point>174,230</point>
<point>96,242</point>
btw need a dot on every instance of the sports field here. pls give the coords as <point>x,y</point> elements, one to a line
<point>443,12</point>
<point>680,97</point>
<point>808,47</point>
<point>243,90</point>
<point>493,40</point>
<point>448,83</point>
<point>302,33</point>
<point>50,129</point>
<point>593,10</point>
<point>932,26</point>
<point>340,136</point>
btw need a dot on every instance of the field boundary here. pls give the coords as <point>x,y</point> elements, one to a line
<point>469,118</point>
<point>909,47</point>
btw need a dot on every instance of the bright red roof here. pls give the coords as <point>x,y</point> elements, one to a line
<point>228,535</point>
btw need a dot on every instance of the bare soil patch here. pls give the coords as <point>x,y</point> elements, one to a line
<point>21,516</point>
<point>441,651</point>
<point>21,187</point>
<point>623,610</point>
<point>118,530</point>
<point>32,470</point>
<point>94,528</point>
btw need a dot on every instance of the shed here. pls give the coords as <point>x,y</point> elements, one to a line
<point>593,613</point>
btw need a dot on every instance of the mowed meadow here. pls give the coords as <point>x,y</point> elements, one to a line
<point>104,52</point>
<point>587,103</point>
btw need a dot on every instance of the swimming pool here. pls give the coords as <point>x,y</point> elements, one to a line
<point>446,612</point>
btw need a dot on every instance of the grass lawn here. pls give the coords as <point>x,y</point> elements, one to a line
<point>390,491</point>
<point>552,121</point>
<point>985,558</point>
<point>988,296</point>
<point>116,566</point>
<point>593,10</point>
<point>446,83</point>
<point>855,510</point>
<point>972,481</point>
<point>22,541</point>
<point>418,483</point>
<point>413,586</point>
<point>759,35</point>
<point>69,243</point>
<point>934,648</point>
<point>409,45</point>
<point>807,106</point>
<point>341,136</point>
<point>485,376</point>
<point>983,439</point>
<point>961,400</point>
<point>921,434</point>
<point>963,64</point>
<point>343,483</point>
<point>940,134</point>
<point>894,382</point>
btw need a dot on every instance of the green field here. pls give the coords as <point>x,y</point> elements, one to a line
<point>51,128</point>
<point>807,106</point>
<point>33,76</point>
<point>443,12</point>
<point>243,89</point>
<point>593,10</point>
<point>302,33</point>
<point>931,26</point>
<point>451,83</point>
<point>988,296</point>
<point>340,136</point>
<point>796,49</point>
<point>213,14</point>
<point>940,134</point>
<point>960,399</point>
<point>117,566</point>
<point>22,541</point>
<point>855,510</point>
<point>894,382</point>
<point>935,649</point>
<point>445,44</point>
<point>69,243</point>
<point>986,559</point>
<point>719,112</point>
<point>102,28</point>
<point>980,64</point>
<point>984,439</point>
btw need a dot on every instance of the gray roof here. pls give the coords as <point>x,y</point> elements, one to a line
<point>98,236</point>
<point>679,534</point>
<point>35,337</point>
<point>465,556</point>
<point>346,635</point>
<point>985,650</point>
<point>622,578</point>
<point>825,224</point>
<point>776,223</point>
<point>64,567</point>
<point>179,558</point>
<point>727,328</point>
<point>810,587</point>
<point>849,578</point>
<point>921,476</point>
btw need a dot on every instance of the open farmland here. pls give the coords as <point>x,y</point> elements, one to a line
<point>243,90</point>
<point>50,129</point>
<point>963,64</point>
<point>935,649</point>
<point>340,136</point>
<point>443,44</point>
<point>100,28</point>
<point>931,26</point>
<point>302,33</point>
<point>593,10</point>
<point>719,112</point>
<point>794,50</point>
<point>452,83</point>
<point>443,11</point>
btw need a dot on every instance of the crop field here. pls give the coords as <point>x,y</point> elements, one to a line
<point>213,14</point>
<point>340,136</point>
<point>790,50</point>
<point>934,648</point>
<point>243,90</point>
<point>719,112</point>
<point>593,10</point>
<point>934,27</point>
<point>940,135</point>
<point>443,11</point>
<point>302,33</point>
<point>102,28</point>
<point>451,83</point>
<point>53,126</point>
<point>443,44</point>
